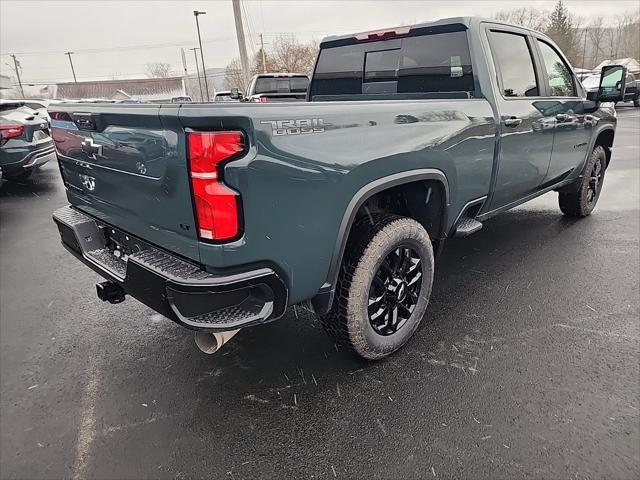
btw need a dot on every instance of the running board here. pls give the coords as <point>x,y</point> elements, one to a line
<point>466,226</point>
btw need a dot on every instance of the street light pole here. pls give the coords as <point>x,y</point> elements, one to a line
<point>195,57</point>
<point>204,69</point>
<point>68,54</point>
<point>242,46</point>
<point>264,56</point>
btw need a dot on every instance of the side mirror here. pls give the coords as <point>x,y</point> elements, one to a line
<point>612,84</point>
<point>235,94</point>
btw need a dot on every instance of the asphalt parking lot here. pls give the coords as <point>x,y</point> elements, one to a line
<point>527,365</point>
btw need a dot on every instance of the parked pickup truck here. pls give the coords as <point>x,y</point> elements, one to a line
<point>220,216</point>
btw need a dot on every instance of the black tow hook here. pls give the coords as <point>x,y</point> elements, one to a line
<point>110,292</point>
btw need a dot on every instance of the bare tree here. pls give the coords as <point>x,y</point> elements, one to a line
<point>595,33</point>
<point>233,77</point>
<point>158,70</point>
<point>288,55</point>
<point>624,36</point>
<point>586,45</point>
<point>529,17</point>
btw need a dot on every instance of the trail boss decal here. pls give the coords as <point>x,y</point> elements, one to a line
<point>296,127</point>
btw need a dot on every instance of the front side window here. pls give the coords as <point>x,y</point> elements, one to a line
<point>513,61</point>
<point>561,82</point>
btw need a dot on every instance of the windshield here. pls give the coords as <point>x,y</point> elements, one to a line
<point>592,81</point>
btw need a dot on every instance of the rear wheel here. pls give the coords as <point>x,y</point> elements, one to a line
<point>636,101</point>
<point>383,288</point>
<point>581,203</point>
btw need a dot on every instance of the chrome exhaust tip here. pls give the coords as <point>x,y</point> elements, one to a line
<point>210,343</point>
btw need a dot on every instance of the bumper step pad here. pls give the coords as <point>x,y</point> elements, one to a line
<point>172,286</point>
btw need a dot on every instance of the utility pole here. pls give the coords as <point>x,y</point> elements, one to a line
<point>195,57</point>
<point>237,16</point>
<point>584,45</point>
<point>264,56</point>
<point>16,64</point>
<point>72,70</point>
<point>204,69</point>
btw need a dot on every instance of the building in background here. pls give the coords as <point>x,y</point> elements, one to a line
<point>5,82</point>
<point>144,89</point>
<point>215,81</point>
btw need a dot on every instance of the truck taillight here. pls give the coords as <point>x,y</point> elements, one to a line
<point>217,206</point>
<point>11,131</point>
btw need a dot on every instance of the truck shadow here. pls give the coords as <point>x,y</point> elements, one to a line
<point>287,376</point>
<point>293,348</point>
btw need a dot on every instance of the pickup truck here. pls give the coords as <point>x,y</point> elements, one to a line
<point>278,87</point>
<point>220,216</point>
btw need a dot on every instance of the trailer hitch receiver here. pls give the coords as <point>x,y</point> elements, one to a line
<point>110,292</point>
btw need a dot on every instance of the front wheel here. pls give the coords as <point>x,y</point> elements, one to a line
<point>581,203</point>
<point>383,287</point>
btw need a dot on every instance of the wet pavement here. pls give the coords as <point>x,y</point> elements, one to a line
<point>527,364</point>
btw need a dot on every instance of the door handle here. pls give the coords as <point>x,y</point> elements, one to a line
<point>512,121</point>
<point>562,117</point>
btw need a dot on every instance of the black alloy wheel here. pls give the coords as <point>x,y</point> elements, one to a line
<point>395,290</point>
<point>595,183</point>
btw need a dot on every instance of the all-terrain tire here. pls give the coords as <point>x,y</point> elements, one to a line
<point>372,240</point>
<point>581,203</point>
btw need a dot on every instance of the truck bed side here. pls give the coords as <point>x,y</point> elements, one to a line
<point>296,187</point>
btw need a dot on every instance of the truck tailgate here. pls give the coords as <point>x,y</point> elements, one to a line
<point>126,165</point>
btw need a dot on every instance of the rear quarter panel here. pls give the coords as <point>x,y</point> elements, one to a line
<point>296,187</point>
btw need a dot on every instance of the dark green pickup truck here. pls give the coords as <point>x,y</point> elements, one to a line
<point>219,216</point>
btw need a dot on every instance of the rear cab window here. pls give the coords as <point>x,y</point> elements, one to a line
<point>265,85</point>
<point>418,64</point>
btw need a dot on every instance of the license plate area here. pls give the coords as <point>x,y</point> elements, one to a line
<point>115,249</point>
<point>120,244</point>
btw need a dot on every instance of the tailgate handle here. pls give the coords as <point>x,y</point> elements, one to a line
<point>90,148</point>
<point>84,121</point>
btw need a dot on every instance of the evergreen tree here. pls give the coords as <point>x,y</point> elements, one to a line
<point>562,31</point>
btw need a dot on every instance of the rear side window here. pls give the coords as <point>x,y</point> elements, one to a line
<point>339,71</point>
<point>438,62</point>
<point>513,61</point>
<point>561,82</point>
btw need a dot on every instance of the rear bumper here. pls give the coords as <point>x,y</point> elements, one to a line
<point>17,160</point>
<point>173,287</point>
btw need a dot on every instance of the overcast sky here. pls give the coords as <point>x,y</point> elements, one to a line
<point>118,38</point>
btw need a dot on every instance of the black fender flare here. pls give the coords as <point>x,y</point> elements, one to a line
<point>324,298</point>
